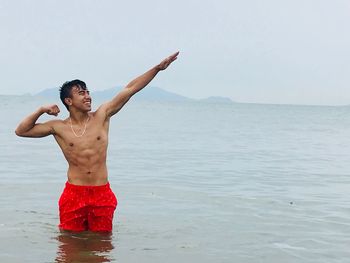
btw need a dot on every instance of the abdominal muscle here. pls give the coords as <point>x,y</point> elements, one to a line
<point>87,168</point>
<point>86,159</point>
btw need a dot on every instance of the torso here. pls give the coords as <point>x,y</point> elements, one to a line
<point>86,155</point>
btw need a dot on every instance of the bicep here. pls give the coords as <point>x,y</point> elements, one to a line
<point>39,130</point>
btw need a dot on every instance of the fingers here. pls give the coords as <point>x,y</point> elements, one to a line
<point>56,110</point>
<point>53,110</point>
<point>173,56</point>
<point>52,113</point>
<point>166,62</point>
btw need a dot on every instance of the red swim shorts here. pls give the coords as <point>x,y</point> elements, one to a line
<point>87,208</point>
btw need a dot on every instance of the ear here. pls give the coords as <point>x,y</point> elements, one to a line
<point>68,101</point>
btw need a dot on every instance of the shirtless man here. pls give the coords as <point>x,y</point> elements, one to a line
<point>87,202</point>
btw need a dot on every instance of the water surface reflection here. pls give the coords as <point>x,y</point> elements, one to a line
<point>87,247</point>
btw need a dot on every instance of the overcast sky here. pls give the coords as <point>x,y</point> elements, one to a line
<point>271,51</point>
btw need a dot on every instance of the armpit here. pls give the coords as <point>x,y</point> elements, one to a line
<point>52,131</point>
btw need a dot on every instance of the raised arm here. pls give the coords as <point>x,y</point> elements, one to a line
<point>112,107</point>
<point>29,128</point>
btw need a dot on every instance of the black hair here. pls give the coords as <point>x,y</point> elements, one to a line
<point>65,90</point>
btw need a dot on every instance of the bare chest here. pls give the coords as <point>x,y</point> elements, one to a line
<point>83,140</point>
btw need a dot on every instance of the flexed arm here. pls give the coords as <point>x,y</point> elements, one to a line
<point>29,128</point>
<point>113,106</point>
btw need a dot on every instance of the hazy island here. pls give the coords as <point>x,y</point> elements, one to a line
<point>150,93</point>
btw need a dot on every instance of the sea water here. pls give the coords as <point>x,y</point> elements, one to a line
<point>196,182</point>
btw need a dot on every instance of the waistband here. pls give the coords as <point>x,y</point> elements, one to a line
<point>83,187</point>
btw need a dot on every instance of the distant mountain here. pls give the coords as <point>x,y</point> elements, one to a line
<point>150,93</point>
<point>49,93</point>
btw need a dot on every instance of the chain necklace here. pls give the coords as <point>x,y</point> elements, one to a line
<point>71,126</point>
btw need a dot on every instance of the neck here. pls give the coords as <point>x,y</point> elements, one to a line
<point>79,117</point>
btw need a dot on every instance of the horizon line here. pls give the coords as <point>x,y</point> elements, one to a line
<point>232,101</point>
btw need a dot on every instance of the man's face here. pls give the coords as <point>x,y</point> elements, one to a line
<point>81,98</point>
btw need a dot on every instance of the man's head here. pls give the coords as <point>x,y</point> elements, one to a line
<point>75,91</point>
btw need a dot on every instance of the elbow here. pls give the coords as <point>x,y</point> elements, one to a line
<point>127,93</point>
<point>19,133</point>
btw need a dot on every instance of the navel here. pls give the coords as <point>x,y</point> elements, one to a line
<point>89,172</point>
<point>99,138</point>
<point>71,144</point>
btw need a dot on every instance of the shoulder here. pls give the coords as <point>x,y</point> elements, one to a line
<point>57,122</point>
<point>56,125</point>
<point>101,112</point>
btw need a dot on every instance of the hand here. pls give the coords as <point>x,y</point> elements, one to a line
<point>51,109</point>
<point>166,62</point>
